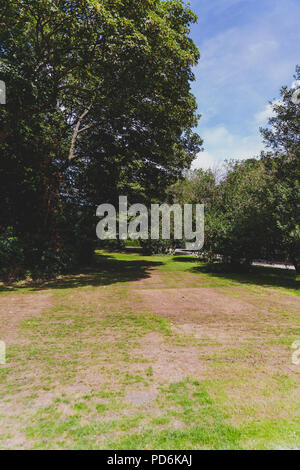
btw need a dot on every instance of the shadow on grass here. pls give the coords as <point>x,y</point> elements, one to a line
<point>255,275</point>
<point>106,270</point>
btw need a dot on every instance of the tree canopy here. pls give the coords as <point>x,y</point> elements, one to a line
<point>98,103</point>
<point>253,212</point>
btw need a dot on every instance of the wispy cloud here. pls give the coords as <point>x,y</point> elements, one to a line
<point>262,117</point>
<point>249,49</point>
<point>223,145</point>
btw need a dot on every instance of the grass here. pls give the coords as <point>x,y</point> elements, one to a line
<point>184,405</point>
<point>101,368</point>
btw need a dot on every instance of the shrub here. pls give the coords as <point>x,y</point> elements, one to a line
<point>11,256</point>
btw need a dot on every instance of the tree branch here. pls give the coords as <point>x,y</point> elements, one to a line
<point>77,130</point>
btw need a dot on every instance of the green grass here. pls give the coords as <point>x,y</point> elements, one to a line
<point>68,381</point>
<point>199,420</point>
<point>120,269</point>
<point>190,419</point>
<point>185,417</point>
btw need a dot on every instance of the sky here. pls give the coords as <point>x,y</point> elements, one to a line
<point>249,50</point>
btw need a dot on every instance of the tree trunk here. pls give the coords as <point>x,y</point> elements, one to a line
<point>296,263</point>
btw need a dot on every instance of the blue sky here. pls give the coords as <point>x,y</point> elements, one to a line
<point>249,49</point>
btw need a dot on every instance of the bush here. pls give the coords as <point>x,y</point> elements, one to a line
<point>46,263</point>
<point>44,255</point>
<point>11,256</point>
<point>151,247</point>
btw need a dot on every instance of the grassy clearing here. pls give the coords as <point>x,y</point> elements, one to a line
<point>102,367</point>
<point>185,417</point>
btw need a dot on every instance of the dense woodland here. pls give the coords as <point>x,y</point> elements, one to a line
<point>99,104</point>
<point>253,206</point>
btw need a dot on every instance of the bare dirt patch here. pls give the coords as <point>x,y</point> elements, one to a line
<point>196,305</point>
<point>14,309</point>
<point>141,397</point>
<point>222,328</point>
<point>170,362</point>
<point>154,280</point>
<point>269,299</point>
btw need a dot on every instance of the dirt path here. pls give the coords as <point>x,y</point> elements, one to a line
<point>91,366</point>
<point>215,320</point>
<point>14,309</point>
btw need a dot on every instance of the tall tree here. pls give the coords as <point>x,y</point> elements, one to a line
<point>98,101</point>
<point>283,163</point>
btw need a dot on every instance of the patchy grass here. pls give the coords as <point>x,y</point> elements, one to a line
<point>184,417</point>
<point>99,365</point>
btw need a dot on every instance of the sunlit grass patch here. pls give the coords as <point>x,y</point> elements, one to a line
<point>190,419</point>
<point>184,415</point>
<point>73,368</point>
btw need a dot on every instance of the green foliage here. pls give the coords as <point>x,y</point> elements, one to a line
<point>150,247</point>
<point>98,104</point>
<point>12,256</point>
<point>282,135</point>
<point>200,187</point>
<point>283,163</point>
<point>227,205</point>
<point>253,211</point>
<point>240,230</point>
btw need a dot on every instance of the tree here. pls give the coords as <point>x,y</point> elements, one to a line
<point>235,209</point>
<point>200,187</point>
<point>283,164</point>
<point>242,213</point>
<point>254,211</point>
<point>283,134</point>
<point>98,102</point>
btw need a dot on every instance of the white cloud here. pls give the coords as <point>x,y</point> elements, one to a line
<point>231,55</point>
<point>221,145</point>
<point>244,65</point>
<point>247,53</point>
<point>296,84</point>
<point>204,160</point>
<point>260,48</point>
<point>263,116</point>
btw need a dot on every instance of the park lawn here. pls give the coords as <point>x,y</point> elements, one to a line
<point>141,352</point>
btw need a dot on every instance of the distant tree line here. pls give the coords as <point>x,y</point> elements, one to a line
<point>253,210</point>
